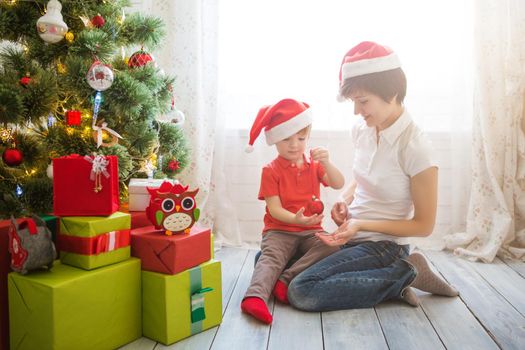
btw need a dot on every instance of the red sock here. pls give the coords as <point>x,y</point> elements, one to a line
<point>257,308</point>
<point>280,292</point>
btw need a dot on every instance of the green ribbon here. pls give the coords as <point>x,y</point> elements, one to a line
<point>198,313</point>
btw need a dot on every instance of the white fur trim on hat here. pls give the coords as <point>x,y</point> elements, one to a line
<point>288,128</point>
<point>367,66</point>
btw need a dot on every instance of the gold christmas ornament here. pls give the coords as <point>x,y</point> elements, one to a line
<point>5,135</point>
<point>61,68</point>
<point>70,37</point>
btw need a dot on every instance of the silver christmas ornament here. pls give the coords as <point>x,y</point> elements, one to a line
<point>100,76</point>
<point>174,116</point>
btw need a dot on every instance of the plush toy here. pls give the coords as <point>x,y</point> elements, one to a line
<point>172,208</point>
<point>30,245</point>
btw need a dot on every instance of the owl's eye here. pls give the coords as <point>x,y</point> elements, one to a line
<point>188,203</point>
<point>168,204</point>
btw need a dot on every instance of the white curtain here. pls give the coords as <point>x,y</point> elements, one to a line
<point>293,48</point>
<point>190,54</point>
<point>228,65</point>
<point>496,212</point>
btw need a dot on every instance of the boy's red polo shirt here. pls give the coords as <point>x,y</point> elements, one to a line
<point>295,187</point>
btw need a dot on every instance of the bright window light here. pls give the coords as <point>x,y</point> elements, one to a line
<point>273,49</point>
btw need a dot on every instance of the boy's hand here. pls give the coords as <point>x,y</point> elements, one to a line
<point>320,154</point>
<point>307,220</point>
<point>340,236</point>
<point>339,213</point>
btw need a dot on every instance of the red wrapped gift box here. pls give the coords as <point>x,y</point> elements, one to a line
<point>170,254</point>
<point>138,218</point>
<point>5,268</point>
<point>80,191</point>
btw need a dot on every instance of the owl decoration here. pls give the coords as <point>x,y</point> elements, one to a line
<point>173,208</point>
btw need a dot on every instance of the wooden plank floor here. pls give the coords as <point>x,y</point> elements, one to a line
<point>489,314</point>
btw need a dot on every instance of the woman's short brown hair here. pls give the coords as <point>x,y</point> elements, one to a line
<point>387,85</point>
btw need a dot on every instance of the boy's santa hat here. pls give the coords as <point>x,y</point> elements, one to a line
<point>365,58</point>
<point>280,121</point>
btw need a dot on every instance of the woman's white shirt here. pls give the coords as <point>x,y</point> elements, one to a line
<point>382,170</point>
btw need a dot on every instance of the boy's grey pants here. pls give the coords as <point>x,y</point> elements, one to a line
<point>277,248</point>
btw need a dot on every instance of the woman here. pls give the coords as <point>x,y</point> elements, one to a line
<point>393,196</point>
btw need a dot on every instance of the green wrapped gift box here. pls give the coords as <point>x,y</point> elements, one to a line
<point>177,306</point>
<point>69,308</point>
<point>52,224</point>
<point>89,233</point>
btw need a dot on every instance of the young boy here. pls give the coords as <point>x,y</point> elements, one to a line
<point>288,185</point>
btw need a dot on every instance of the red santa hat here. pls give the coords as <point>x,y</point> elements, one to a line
<point>365,58</point>
<point>280,121</point>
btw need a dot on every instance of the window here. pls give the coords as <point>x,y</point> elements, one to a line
<point>274,49</point>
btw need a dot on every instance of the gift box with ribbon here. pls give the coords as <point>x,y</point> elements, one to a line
<point>138,193</point>
<point>52,224</point>
<point>170,254</point>
<point>138,218</point>
<point>90,242</point>
<point>178,306</point>
<point>85,185</point>
<point>69,308</point>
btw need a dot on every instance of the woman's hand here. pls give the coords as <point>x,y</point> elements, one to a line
<point>340,236</point>
<point>339,213</point>
<point>307,220</point>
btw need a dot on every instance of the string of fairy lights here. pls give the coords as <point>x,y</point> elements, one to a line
<point>52,29</point>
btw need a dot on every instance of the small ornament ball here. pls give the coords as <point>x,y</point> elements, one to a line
<point>24,81</point>
<point>139,59</point>
<point>100,76</point>
<point>61,68</point>
<point>70,37</point>
<point>98,21</point>
<point>13,157</point>
<point>174,116</point>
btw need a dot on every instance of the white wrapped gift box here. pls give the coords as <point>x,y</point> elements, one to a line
<point>139,195</point>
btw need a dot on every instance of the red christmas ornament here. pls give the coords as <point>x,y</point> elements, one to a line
<point>173,165</point>
<point>13,156</point>
<point>139,59</point>
<point>315,206</point>
<point>98,21</point>
<point>73,117</point>
<point>25,80</point>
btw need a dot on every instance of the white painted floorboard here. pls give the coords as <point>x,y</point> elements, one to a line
<point>489,314</point>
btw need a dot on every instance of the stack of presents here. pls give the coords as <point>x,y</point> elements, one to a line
<point>145,270</point>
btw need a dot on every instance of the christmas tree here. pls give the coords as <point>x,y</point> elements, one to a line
<point>67,86</point>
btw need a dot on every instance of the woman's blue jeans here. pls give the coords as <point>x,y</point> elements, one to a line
<point>360,275</point>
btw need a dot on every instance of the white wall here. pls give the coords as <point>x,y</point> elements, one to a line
<point>244,171</point>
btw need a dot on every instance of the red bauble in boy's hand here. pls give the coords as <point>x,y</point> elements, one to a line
<point>315,206</point>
